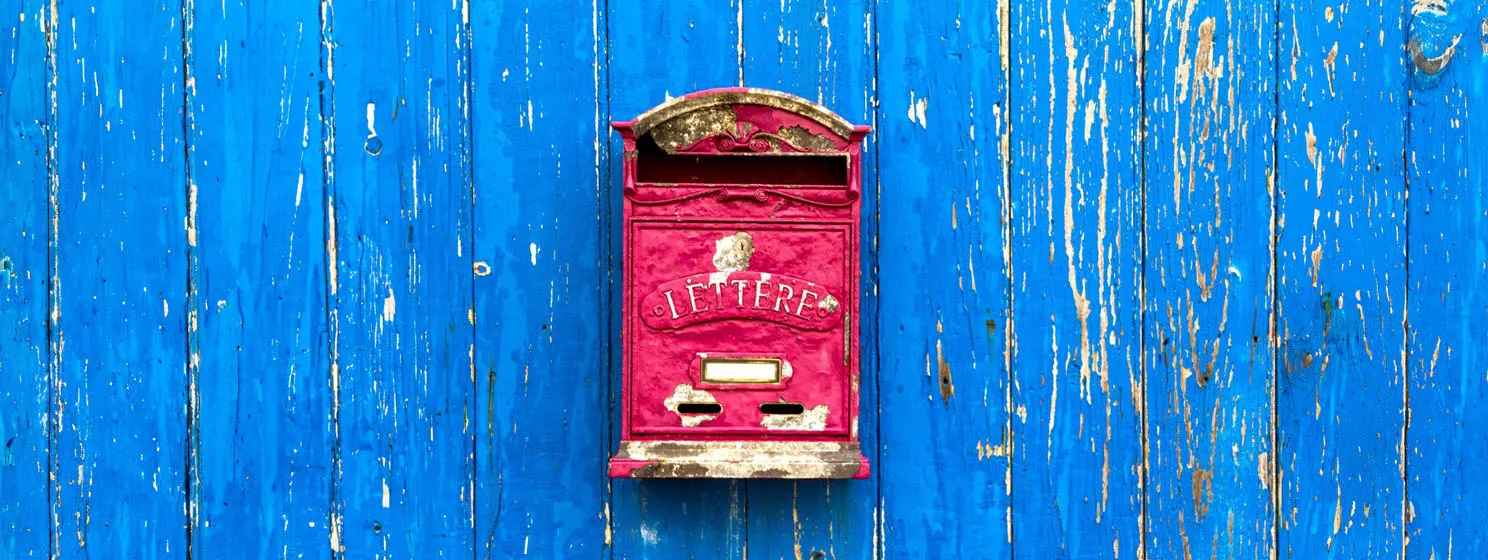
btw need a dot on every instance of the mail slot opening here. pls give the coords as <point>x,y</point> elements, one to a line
<point>781,408</point>
<point>654,165</point>
<point>699,408</point>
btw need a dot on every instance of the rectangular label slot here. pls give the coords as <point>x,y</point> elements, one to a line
<point>741,370</point>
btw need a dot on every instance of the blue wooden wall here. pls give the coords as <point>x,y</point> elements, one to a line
<point>1152,279</point>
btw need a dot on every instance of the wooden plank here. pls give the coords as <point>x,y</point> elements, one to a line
<point>400,226</point>
<point>1448,393</point>
<point>822,52</point>
<point>1341,276</point>
<point>658,50</point>
<point>942,140</point>
<point>539,359</point>
<point>1210,96</point>
<point>25,267</point>
<point>1076,270</point>
<point>120,287</point>
<point>255,157</point>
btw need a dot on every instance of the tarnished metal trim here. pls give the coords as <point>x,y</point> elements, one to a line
<point>751,96</point>
<point>739,459</point>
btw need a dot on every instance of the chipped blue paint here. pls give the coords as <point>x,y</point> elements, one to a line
<point>1341,242</point>
<point>119,468</point>
<point>25,234</point>
<point>262,446</point>
<point>1448,252</point>
<point>943,382</point>
<point>399,234</point>
<point>1142,280</point>
<point>1208,312</point>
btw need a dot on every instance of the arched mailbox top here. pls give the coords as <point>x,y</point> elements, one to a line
<point>750,120</point>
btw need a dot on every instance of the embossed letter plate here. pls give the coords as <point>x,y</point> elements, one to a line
<point>741,289</point>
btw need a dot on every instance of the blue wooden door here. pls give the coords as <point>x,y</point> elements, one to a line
<point>1194,279</point>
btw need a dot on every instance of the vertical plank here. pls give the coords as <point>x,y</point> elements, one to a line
<point>822,51</point>
<point>944,284</point>
<point>400,228</point>
<point>661,49</point>
<point>263,474</point>
<point>539,359</point>
<point>1076,253</point>
<point>1209,101</point>
<point>1341,279</point>
<point>121,282</point>
<point>1447,504</point>
<point>25,395</point>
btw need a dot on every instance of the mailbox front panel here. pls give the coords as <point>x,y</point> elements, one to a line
<point>741,328</point>
<point>740,301</point>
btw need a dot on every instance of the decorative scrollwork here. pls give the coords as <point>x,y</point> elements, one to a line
<point>745,138</point>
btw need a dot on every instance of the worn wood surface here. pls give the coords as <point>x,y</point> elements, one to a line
<point>943,382</point>
<point>1207,310</point>
<point>1445,447</point>
<point>262,442</point>
<point>1340,260</point>
<point>333,279</point>
<point>1075,309</point>
<point>25,365</point>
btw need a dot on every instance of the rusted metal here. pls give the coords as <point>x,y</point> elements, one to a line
<point>749,267</point>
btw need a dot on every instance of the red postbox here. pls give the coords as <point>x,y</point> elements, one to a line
<point>740,309</point>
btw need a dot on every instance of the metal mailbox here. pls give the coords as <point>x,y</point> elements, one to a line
<point>740,305</point>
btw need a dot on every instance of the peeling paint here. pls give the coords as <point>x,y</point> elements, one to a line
<point>733,252</point>
<point>814,419</point>
<point>685,394</point>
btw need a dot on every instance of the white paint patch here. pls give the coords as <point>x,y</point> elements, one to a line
<point>389,307</point>
<point>733,252</point>
<point>387,496</point>
<point>683,394</point>
<point>828,303</point>
<point>648,534</point>
<point>917,108</point>
<point>533,248</point>
<point>813,419</point>
<point>164,308</point>
<point>371,116</point>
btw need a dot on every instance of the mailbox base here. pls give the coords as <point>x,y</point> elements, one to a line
<point>739,459</point>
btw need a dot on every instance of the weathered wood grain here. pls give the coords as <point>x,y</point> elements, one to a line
<point>658,50</point>
<point>942,248</point>
<point>1076,269</point>
<point>25,268</point>
<point>538,113</point>
<point>400,283</point>
<point>822,52</point>
<point>332,279</point>
<point>119,317</point>
<point>1341,279</point>
<point>1447,504</point>
<point>261,474</point>
<point>1210,86</point>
